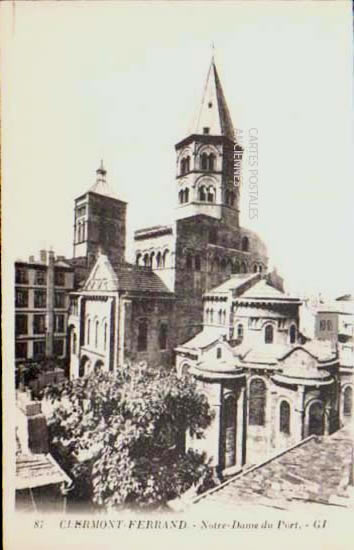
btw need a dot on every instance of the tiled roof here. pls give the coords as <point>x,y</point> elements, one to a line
<point>204,338</point>
<point>318,470</point>
<point>272,353</point>
<point>232,283</point>
<point>139,279</point>
<point>262,290</point>
<point>102,188</point>
<point>37,470</point>
<point>263,353</point>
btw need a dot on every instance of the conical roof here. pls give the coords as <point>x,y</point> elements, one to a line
<point>213,117</point>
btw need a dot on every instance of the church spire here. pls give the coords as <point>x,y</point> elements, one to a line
<point>214,116</point>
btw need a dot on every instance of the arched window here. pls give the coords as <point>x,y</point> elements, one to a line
<point>224,317</point>
<point>284,417</point>
<point>88,331</point>
<point>257,403</point>
<point>152,257</point>
<point>223,264</point>
<point>236,267</point>
<point>260,268</point>
<point>207,315</point>
<point>212,236</point>
<point>268,334</point>
<point>142,335</point>
<point>187,164</point>
<point>255,268</point>
<point>229,411</point>
<point>180,196</point>
<point>243,267</point>
<point>348,401</point>
<point>146,260</point>
<point>211,316</point>
<point>218,353</point>
<point>211,161</point>
<point>158,259</point>
<point>316,419</point>
<point>165,258</point>
<point>204,161</point>
<point>84,366</point>
<point>189,261</point>
<point>220,316</point>
<point>240,332</point>
<point>105,336</point>
<point>96,334</point>
<point>185,369</point>
<point>197,263</point>
<point>211,194</point>
<point>138,259</point>
<point>183,166</point>
<point>202,193</point>
<point>292,334</point>
<point>163,330</point>
<point>245,244</point>
<point>74,345</point>
<point>186,195</point>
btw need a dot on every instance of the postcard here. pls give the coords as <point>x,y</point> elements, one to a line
<point>178,274</point>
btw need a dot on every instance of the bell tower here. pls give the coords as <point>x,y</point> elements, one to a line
<point>209,160</point>
<point>99,222</point>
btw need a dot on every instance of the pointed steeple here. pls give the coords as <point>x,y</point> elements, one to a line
<point>214,116</point>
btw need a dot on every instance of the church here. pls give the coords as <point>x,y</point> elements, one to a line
<point>143,311</point>
<point>199,297</point>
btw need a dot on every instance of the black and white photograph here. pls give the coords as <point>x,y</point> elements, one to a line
<point>178,273</point>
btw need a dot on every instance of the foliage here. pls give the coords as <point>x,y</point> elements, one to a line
<point>119,435</point>
<point>32,368</point>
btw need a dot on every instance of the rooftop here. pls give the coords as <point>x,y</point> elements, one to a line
<point>318,470</point>
<point>37,470</point>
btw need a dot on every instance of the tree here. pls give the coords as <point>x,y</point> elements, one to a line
<point>119,435</point>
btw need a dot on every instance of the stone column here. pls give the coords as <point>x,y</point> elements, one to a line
<point>298,423</point>
<point>240,452</point>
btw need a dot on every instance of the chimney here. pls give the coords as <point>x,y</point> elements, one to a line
<point>43,256</point>
<point>32,427</point>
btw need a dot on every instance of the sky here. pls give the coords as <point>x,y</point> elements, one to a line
<point>121,81</point>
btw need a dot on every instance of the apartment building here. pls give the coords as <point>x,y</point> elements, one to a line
<point>41,306</point>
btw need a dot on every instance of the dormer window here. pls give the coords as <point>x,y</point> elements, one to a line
<point>206,130</point>
<point>218,353</point>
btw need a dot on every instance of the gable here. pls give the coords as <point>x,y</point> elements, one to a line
<point>210,352</point>
<point>301,359</point>
<point>102,276</point>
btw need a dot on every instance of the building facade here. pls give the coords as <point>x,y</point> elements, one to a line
<point>122,314</point>
<point>42,307</point>
<point>201,248</point>
<point>269,386</point>
<point>99,223</point>
<point>205,244</point>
